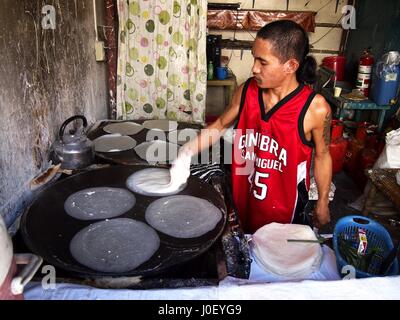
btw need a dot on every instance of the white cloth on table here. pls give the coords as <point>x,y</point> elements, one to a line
<point>327,271</point>
<point>256,285</point>
<point>322,284</point>
<point>65,291</point>
<point>378,288</point>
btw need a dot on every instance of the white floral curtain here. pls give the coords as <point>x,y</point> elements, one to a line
<point>162,60</point>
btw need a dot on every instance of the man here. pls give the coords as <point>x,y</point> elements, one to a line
<point>280,120</point>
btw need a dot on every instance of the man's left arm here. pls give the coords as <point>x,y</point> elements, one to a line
<point>322,118</point>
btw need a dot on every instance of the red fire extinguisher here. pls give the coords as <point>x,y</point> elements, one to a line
<point>364,72</point>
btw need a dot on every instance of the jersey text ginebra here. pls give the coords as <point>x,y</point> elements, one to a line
<point>263,143</point>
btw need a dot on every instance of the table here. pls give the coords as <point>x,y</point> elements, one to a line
<point>343,104</point>
<point>229,85</point>
<point>379,288</point>
<point>384,181</point>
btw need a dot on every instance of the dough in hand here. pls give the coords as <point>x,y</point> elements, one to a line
<point>153,182</point>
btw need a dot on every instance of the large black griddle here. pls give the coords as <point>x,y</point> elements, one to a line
<point>130,157</point>
<point>47,229</point>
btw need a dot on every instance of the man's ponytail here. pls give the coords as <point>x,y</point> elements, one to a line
<point>307,71</point>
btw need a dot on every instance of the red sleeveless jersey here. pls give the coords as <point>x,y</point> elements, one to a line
<point>271,158</point>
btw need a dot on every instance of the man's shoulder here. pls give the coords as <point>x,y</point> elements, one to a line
<point>319,106</point>
<point>317,113</point>
<point>246,84</point>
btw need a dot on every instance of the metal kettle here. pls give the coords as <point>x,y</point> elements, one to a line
<point>74,149</point>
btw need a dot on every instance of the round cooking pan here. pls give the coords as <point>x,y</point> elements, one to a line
<point>47,229</point>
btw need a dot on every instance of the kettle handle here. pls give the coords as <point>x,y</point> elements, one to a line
<point>66,122</point>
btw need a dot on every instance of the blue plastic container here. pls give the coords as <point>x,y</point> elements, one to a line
<point>385,86</point>
<point>377,236</point>
<point>222,73</point>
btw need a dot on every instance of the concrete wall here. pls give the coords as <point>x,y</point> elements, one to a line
<point>241,62</point>
<point>46,76</point>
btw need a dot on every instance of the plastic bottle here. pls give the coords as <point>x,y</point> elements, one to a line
<point>210,71</point>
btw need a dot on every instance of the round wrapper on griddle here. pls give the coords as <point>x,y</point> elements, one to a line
<point>124,128</point>
<point>117,245</point>
<point>183,136</point>
<point>157,151</point>
<point>99,203</point>
<point>183,216</point>
<point>152,182</point>
<point>162,125</point>
<point>113,143</point>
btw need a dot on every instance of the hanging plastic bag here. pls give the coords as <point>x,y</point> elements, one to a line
<point>387,64</point>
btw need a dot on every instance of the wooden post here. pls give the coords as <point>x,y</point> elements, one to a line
<point>112,54</point>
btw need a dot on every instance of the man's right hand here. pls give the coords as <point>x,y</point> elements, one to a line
<point>180,169</point>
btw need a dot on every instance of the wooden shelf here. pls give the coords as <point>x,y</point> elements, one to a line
<point>229,84</point>
<point>345,104</point>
